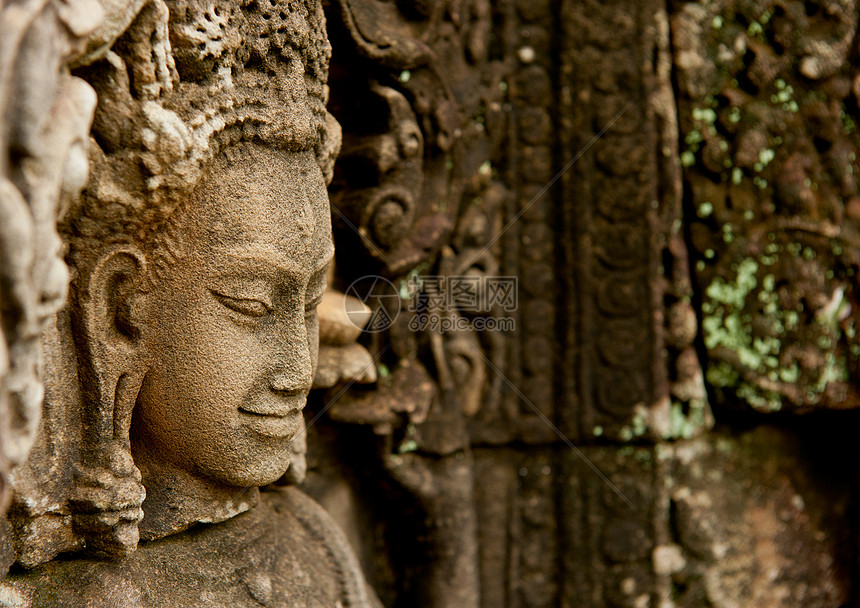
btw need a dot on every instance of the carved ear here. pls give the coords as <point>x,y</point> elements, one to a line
<point>112,361</point>
<point>111,308</point>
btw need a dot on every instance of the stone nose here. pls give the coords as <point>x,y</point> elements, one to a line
<point>293,365</point>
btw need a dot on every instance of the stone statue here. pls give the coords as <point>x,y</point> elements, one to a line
<point>179,368</point>
<point>210,334</point>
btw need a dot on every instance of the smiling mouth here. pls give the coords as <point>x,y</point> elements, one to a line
<point>280,408</point>
<point>273,425</point>
<point>269,414</point>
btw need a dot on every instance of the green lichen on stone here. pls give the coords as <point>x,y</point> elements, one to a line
<point>743,318</point>
<point>410,445</point>
<point>688,159</point>
<point>685,424</point>
<point>725,325</point>
<point>638,425</point>
<point>764,157</point>
<point>848,124</point>
<point>705,115</point>
<point>735,115</point>
<point>784,96</point>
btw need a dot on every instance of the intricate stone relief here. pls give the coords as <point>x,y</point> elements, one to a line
<point>638,373</point>
<point>211,132</point>
<point>199,252</point>
<point>767,114</point>
<point>415,193</point>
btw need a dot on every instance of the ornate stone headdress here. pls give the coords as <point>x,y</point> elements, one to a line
<point>178,83</point>
<point>231,72</point>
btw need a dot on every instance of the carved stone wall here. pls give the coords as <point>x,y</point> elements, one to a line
<point>627,287</point>
<point>770,154</point>
<point>672,185</point>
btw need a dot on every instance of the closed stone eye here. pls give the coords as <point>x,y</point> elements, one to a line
<point>245,306</point>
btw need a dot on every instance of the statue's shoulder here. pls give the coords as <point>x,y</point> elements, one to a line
<point>286,552</point>
<point>319,528</point>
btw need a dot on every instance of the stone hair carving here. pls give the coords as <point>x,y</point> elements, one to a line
<point>182,93</point>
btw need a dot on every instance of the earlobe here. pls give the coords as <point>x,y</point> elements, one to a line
<point>110,330</point>
<point>112,299</point>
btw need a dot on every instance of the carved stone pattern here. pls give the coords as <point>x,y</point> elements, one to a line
<point>518,530</point>
<point>530,246</point>
<point>607,554</point>
<point>606,198</point>
<point>767,109</point>
<point>620,204</point>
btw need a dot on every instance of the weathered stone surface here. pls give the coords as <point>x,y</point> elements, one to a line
<point>46,117</point>
<point>633,371</point>
<point>608,346</point>
<point>755,519</point>
<point>724,520</point>
<point>285,552</point>
<point>767,119</point>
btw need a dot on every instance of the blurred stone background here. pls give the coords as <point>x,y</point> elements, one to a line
<point>675,186</point>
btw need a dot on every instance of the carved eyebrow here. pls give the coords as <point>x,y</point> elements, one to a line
<point>267,259</point>
<point>271,261</point>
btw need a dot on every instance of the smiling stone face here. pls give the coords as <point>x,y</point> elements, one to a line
<point>232,329</point>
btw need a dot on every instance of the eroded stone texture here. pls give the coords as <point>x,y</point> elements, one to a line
<point>446,472</point>
<point>46,117</point>
<point>285,552</point>
<point>608,346</point>
<point>768,102</point>
<point>629,346</point>
<point>419,92</point>
<point>760,519</point>
<point>43,166</point>
<point>744,520</point>
<point>518,530</point>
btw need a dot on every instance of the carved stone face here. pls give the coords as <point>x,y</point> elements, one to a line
<point>232,328</point>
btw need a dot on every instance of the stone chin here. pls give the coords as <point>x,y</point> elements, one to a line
<point>263,461</point>
<point>261,474</point>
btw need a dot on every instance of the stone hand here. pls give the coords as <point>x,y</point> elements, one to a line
<point>108,500</point>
